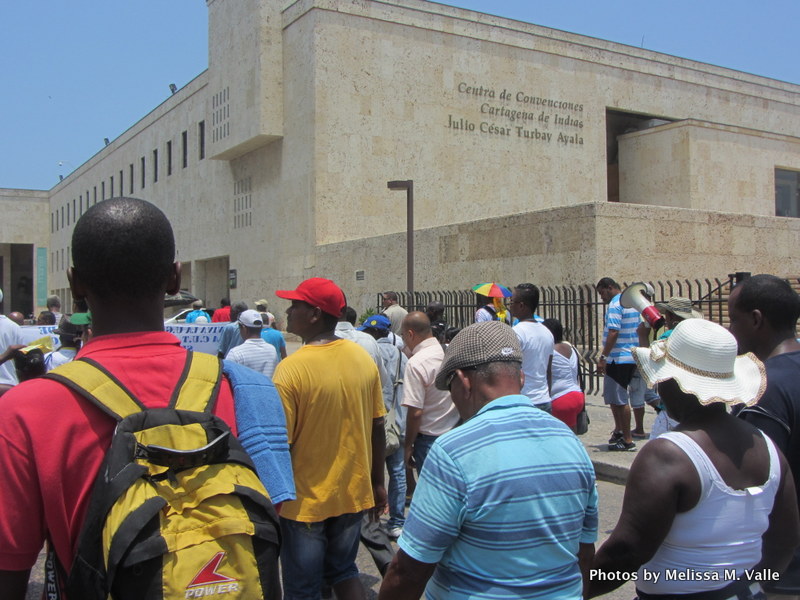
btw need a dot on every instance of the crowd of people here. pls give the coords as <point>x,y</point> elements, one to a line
<point>475,426</point>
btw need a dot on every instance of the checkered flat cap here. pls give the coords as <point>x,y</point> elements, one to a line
<point>479,344</point>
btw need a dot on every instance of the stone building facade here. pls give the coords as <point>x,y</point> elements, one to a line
<point>536,155</point>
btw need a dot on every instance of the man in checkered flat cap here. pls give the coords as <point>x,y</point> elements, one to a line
<point>506,504</point>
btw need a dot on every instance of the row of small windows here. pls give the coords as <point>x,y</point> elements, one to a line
<point>71,211</point>
<point>59,259</point>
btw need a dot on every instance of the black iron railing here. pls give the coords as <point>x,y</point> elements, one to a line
<point>581,311</point>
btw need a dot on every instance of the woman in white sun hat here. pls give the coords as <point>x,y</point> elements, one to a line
<point>709,508</point>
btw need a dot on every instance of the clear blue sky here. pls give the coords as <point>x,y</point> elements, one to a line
<point>76,72</point>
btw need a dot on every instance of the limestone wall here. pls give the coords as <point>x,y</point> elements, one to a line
<point>704,165</point>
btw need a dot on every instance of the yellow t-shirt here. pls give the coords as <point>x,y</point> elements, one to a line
<point>331,393</point>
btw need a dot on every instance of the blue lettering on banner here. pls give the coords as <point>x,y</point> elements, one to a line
<point>200,338</point>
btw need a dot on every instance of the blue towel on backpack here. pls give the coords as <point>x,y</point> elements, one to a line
<point>261,423</point>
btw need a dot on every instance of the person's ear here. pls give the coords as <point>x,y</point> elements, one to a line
<point>757,319</point>
<point>465,382</point>
<point>174,280</point>
<point>75,284</point>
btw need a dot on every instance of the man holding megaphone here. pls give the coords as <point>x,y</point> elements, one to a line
<point>617,366</point>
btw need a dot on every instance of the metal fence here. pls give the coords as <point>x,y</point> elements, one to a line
<point>581,312</point>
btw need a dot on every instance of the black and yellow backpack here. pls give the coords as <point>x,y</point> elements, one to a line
<point>177,510</point>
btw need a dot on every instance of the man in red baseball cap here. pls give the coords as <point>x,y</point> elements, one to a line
<point>332,397</point>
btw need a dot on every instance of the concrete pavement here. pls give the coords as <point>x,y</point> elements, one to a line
<point>609,466</point>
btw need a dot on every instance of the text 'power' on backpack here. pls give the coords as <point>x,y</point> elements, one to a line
<point>177,510</point>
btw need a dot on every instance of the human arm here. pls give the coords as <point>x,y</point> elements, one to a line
<point>14,584</point>
<point>283,351</point>
<point>406,578</point>
<point>413,421</point>
<point>643,332</point>
<point>414,401</point>
<point>611,341</point>
<point>783,532</point>
<point>661,483</point>
<point>433,525</point>
<point>376,474</point>
<point>585,559</point>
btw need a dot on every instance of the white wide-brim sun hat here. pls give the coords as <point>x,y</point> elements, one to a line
<point>701,357</point>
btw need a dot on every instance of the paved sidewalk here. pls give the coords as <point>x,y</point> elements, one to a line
<point>609,466</point>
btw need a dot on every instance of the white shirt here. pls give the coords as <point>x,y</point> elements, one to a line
<point>439,414</point>
<point>60,357</point>
<point>564,374</point>
<point>396,314</point>
<point>255,354</point>
<point>10,334</point>
<point>345,330</point>
<point>537,347</point>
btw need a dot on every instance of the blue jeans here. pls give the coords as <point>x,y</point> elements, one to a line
<point>312,552</point>
<point>422,445</point>
<point>397,488</point>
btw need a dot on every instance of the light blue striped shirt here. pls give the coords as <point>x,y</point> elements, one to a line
<point>502,504</point>
<point>624,320</point>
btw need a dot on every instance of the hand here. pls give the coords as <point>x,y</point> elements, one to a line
<point>409,458</point>
<point>601,367</point>
<point>10,352</point>
<point>381,499</point>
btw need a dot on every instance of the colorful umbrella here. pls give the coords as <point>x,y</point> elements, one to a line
<point>493,290</point>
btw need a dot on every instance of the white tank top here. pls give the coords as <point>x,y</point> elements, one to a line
<point>564,374</point>
<point>721,533</point>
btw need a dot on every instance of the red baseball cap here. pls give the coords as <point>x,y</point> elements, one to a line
<point>320,292</point>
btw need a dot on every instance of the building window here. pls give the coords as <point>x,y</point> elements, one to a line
<point>80,203</point>
<point>201,133</point>
<point>787,193</point>
<point>155,166</point>
<point>94,194</point>
<point>185,148</point>
<point>142,163</point>
<point>169,158</point>
<point>121,184</point>
<point>130,178</point>
<point>68,221</point>
<point>52,223</point>
<point>111,192</point>
<point>102,190</point>
<point>74,211</point>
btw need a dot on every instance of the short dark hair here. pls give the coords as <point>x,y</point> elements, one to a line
<point>529,294</point>
<point>390,296</point>
<point>123,247</point>
<point>493,370</point>
<point>606,283</point>
<point>556,328</point>
<point>434,309</point>
<point>238,308</point>
<point>349,314</point>
<point>224,302</point>
<point>47,317</point>
<point>774,297</point>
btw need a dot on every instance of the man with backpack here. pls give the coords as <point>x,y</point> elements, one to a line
<point>205,521</point>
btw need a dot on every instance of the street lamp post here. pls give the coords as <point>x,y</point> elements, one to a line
<point>408,186</point>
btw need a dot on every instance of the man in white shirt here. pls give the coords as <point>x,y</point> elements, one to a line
<point>346,329</point>
<point>537,345</point>
<point>10,335</point>
<point>394,311</point>
<point>431,412</point>
<point>254,353</point>
<point>54,306</point>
